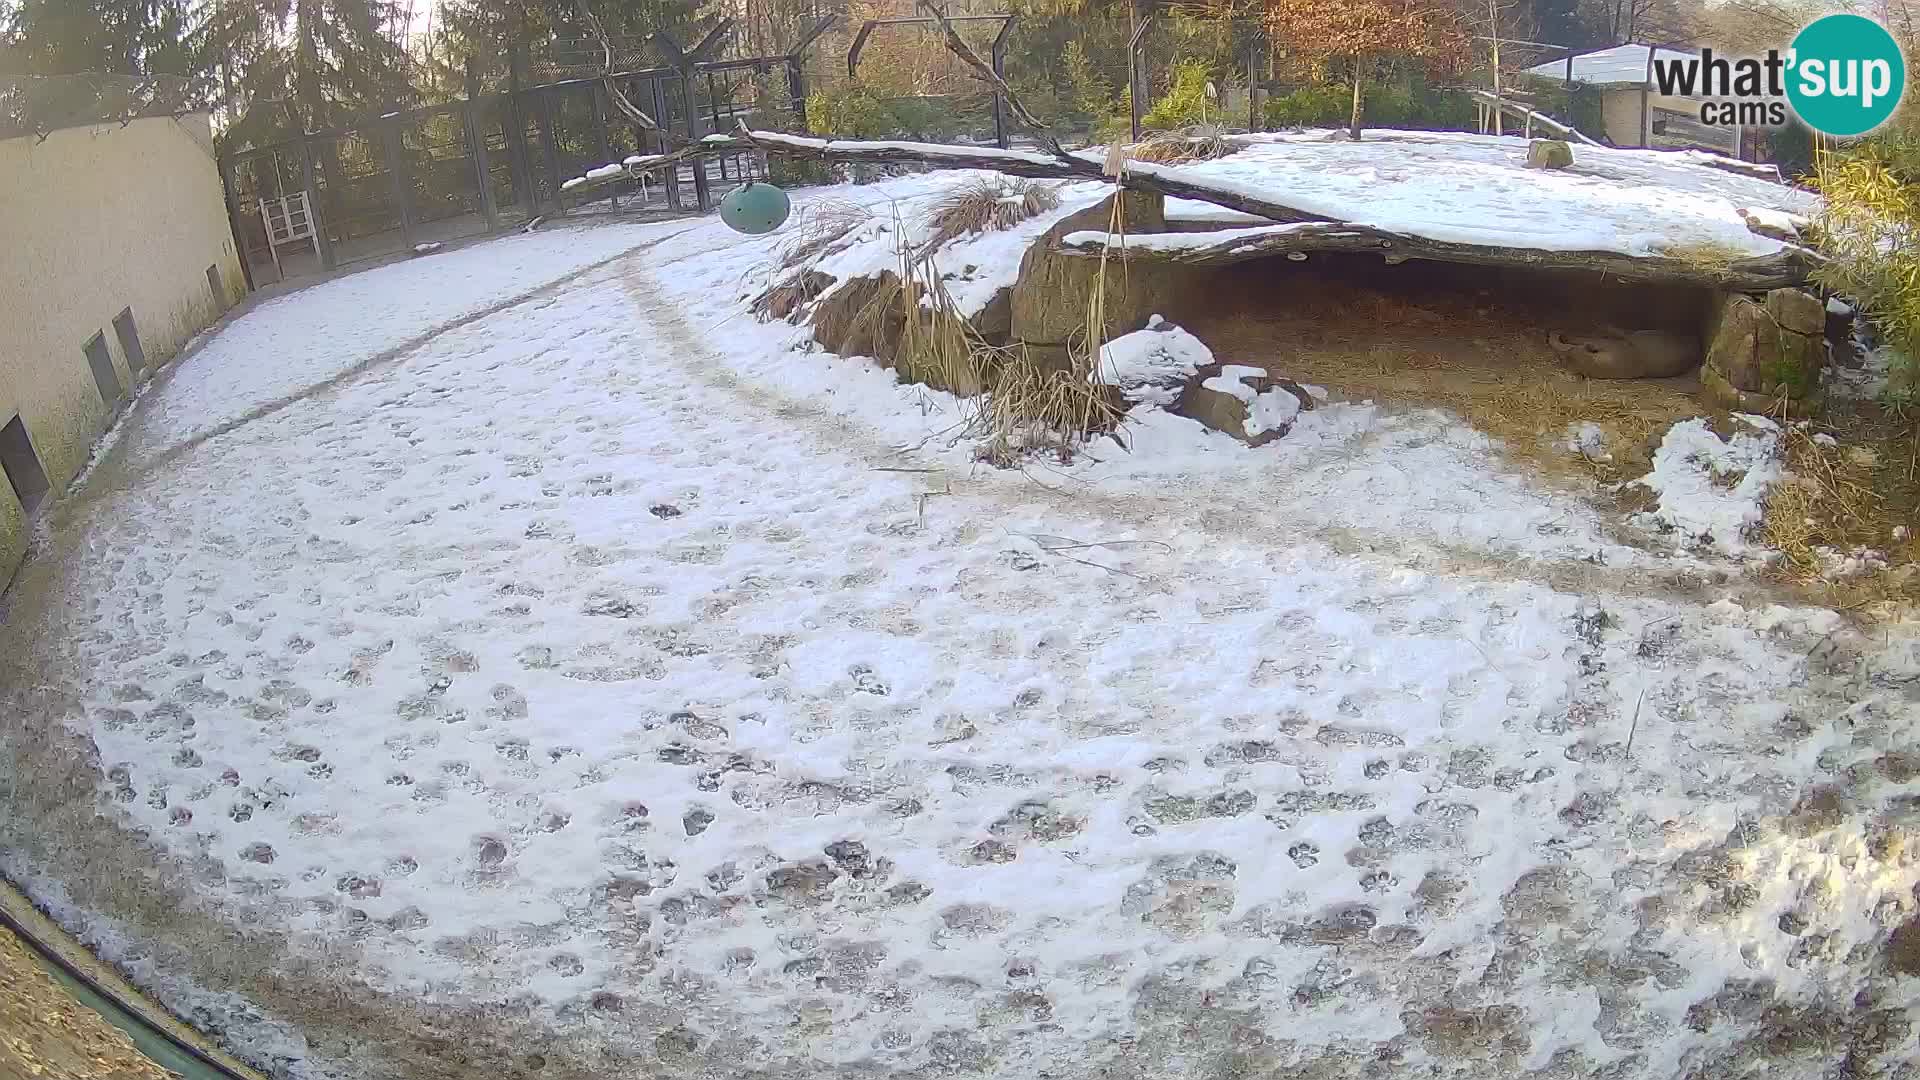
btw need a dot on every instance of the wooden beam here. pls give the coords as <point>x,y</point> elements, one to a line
<point>1787,267</point>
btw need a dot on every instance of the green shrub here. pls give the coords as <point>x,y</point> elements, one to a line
<point>1407,101</point>
<point>1870,231</point>
<point>851,111</point>
<point>1323,105</point>
<point>1185,103</point>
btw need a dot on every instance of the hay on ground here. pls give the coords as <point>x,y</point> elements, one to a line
<point>1198,143</point>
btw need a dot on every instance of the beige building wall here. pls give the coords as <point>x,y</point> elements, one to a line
<point>1620,115</point>
<point>94,220</point>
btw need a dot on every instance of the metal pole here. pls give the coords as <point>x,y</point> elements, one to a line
<point>598,97</point>
<point>477,145</point>
<point>797,90</point>
<point>660,117</point>
<point>482,174</point>
<point>227,184</point>
<point>1253,55</point>
<point>550,148</point>
<point>999,56</point>
<point>401,184</point>
<point>700,193</point>
<point>1134,70</point>
<point>322,243</point>
<point>514,126</point>
<point>713,110</point>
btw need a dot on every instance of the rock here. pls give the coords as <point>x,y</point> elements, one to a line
<point>1797,310</point>
<point>1050,297</point>
<point>1244,402</point>
<point>1796,363</point>
<point>994,323</point>
<point>1755,351</point>
<point>847,322</point>
<point>1734,347</point>
<point>1717,391</point>
<point>1549,154</point>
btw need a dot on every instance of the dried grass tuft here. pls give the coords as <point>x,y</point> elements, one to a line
<point>1706,255</point>
<point>823,227</point>
<point>1015,400</point>
<point>1199,143</point>
<point>1844,496</point>
<point>986,204</point>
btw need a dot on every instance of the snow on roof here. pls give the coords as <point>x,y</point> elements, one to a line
<point>1445,186</point>
<point>1622,65</point>
<point>1464,188</point>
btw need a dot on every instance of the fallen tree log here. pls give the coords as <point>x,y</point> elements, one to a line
<point>1786,267</point>
<point>1139,176</point>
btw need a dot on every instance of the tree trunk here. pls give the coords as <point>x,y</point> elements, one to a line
<point>1353,128</point>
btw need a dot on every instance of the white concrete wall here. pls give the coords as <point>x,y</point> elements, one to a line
<point>93,220</point>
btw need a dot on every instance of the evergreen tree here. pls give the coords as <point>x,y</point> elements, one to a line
<point>117,37</point>
<point>284,66</point>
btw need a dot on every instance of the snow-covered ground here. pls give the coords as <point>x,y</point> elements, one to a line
<point>610,667</point>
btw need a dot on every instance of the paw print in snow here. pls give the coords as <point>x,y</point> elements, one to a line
<point>1303,854</point>
<point>866,682</point>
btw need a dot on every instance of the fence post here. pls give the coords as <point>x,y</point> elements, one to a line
<point>514,126</point>
<point>598,97</point>
<point>550,148</point>
<point>797,90</point>
<point>322,243</point>
<point>476,129</point>
<point>700,193</point>
<point>713,110</point>
<point>401,184</point>
<point>999,57</point>
<point>227,185</point>
<point>482,171</point>
<point>660,117</point>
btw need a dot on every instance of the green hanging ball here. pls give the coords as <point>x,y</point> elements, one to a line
<point>755,208</point>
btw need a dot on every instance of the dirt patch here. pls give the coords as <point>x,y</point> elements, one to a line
<point>1848,522</point>
<point>1903,948</point>
<point>1469,340</point>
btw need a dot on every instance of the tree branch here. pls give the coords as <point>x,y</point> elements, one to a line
<point>627,108</point>
<point>959,48</point>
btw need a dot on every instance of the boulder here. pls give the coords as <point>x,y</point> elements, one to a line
<point>1753,351</point>
<point>1244,402</point>
<point>994,323</point>
<point>1051,296</point>
<point>1733,350</point>
<point>1797,310</point>
<point>1549,154</point>
<point>862,317</point>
